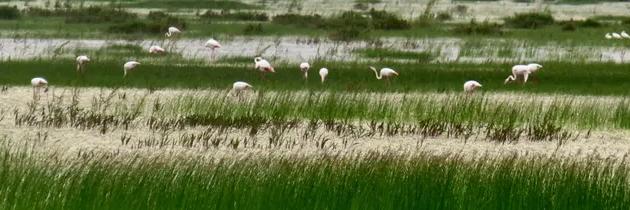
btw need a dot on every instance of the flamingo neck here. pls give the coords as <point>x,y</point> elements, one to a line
<point>378,76</point>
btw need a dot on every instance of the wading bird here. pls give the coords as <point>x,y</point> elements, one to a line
<point>384,73</point>
<point>172,31</point>
<point>38,83</point>
<point>213,45</point>
<point>323,72</point>
<point>524,71</point>
<point>130,66</point>
<point>608,36</point>
<point>156,50</point>
<point>304,68</point>
<point>625,35</point>
<point>471,86</point>
<point>82,61</point>
<point>616,36</point>
<point>263,66</point>
<point>239,87</point>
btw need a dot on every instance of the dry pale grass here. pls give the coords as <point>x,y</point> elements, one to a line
<point>142,140</point>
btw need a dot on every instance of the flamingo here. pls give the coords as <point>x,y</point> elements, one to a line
<point>523,70</point>
<point>37,84</point>
<point>156,50</point>
<point>608,36</point>
<point>384,73</point>
<point>172,31</point>
<point>470,86</point>
<point>240,86</point>
<point>82,60</point>
<point>616,36</point>
<point>625,35</point>
<point>263,65</point>
<point>323,72</point>
<point>130,66</point>
<point>304,68</point>
<point>213,45</point>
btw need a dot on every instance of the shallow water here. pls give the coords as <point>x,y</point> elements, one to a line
<point>297,49</point>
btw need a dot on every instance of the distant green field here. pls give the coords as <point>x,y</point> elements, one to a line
<point>190,4</point>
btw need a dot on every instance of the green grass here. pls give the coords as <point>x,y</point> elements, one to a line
<point>371,181</point>
<point>566,78</point>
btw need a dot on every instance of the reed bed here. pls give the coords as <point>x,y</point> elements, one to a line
<point>490,117</point>
<point>322,181</point>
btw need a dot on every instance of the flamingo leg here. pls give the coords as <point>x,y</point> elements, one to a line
<point>35,91</point>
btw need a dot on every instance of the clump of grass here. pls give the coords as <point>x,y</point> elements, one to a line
<point>253,28</point>
<point>387,21</point>
<point>238,16</point>
<point>529,20</point>
<point>9,13</point>
<point>96,14</point>
<point>155,23</point>
<point>483,28</point>
<point>313,21</point>
<point>349,26</point>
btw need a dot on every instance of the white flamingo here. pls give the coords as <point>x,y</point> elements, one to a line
<point>263,65</point>
<point>213,45</point>
<point>524,71</point>
<point>384,73</point>
<point>471,86</point>
<point>625,35</point>
<point>38,83</point>
<point>240,86</point>
<point>304,68</point>
<point>616,36</point>
<point>323,72</point>
<point>156,49</point>
<point>172,31</point>
<point>608,36</point>
<point>82,61</point>
<point>130,66</point>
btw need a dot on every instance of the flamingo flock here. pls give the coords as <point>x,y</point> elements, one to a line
<point>615,35</point>
<point>264,67</point>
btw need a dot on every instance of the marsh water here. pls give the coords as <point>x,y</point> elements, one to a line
<point>296,49</point>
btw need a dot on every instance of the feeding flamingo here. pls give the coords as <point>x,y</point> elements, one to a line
<point>213,45</point>
<point>82,61</point>
<point>524,71</point>
<point>38,83</point>
<point>304,68</point>
<point>240,86</point>
<point>130,66</point>
<point>263,65</point>
<point>384,73</point>
<point>323,72</point>
<point>471,86</point>
<point>172,31</point>
<point>156,50</point>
